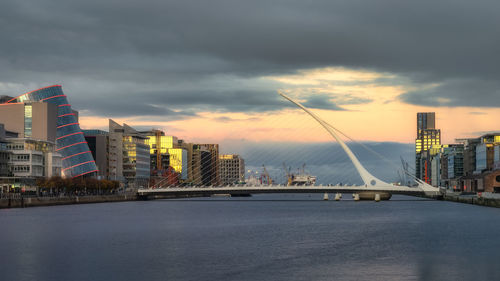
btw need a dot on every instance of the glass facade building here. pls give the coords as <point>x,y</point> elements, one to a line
<point>77,159</point>
<point>427,136</point>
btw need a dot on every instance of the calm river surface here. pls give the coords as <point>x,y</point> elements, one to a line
<point>265,237</point>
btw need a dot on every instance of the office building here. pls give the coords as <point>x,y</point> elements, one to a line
<point>427,137</point>
<point>24,160</point>
<point>232,169</point>
<point>209,154</point>
<point>36,120</point>
<point>77,159</point>
<point>129,159</point>
<point>480,172</point>
<point>33,158</point>
<point>168,151</point>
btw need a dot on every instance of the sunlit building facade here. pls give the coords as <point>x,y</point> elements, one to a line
<point>232,169</point>
<point>427,137</point>
<point>159,144</point>
<point>128,156</point>
<point>165,151</point>
<point>179,161</point>
<point>77,159</point>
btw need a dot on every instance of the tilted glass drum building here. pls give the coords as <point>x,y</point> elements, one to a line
<point>77,159</point>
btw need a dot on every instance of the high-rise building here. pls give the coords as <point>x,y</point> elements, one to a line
<point>427,136</point>
<point>129,159</point>
<point>77,159</point>
<point>232,169</point>
<point>210,164</point>
<point>426,121</point>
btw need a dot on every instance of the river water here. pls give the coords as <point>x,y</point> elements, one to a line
<point>265,237</point>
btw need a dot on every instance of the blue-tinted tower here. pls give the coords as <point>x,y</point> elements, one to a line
<point>77,158</point>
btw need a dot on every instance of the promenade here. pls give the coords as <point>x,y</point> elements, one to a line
<point>18,201</point>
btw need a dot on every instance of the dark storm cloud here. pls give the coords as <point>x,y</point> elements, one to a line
<point>169,102</point>
<point>464,92</point>
<point>321,102</point>
<point>184,42</point>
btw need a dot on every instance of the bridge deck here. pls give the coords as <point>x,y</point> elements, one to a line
<point>206,191</point>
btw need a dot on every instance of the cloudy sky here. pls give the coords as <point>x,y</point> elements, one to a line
<point>209,70</point>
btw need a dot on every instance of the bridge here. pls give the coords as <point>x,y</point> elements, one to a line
<point>373,187</point>
<point>173,192</point>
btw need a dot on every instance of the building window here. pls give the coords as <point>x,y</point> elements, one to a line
<point>28,120</point>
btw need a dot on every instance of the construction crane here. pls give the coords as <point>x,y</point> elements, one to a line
<point>289,177</point>
<point>264,177</point>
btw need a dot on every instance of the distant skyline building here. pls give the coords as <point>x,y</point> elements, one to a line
<point>77,159</point>
<point>427,137</point>
<point>232,169</point>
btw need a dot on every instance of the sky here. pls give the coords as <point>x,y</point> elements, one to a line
<point>209,71</point>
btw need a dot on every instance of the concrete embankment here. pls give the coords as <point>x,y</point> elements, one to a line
<point>51,201</point>
<point>483,199</point>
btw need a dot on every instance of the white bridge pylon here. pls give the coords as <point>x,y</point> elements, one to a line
<point>368,179</point>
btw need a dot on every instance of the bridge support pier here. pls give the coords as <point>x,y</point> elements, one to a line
<point>325,196</point>
<point>377,197</point>
<point>338,196</point>
<point>356,196</point>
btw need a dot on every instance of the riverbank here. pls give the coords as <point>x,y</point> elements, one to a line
<point>483,199</point>
<point>22,202</point>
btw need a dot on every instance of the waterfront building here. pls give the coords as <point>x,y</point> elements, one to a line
<point>129,159</point>
<point>209,154</point>
<point>36,120</point>
<point>496,157</point>
<point>159,144</point>
<point>178,160</point>
<point>98,141</point>
<point>480,173</point>
<point>427,136</point>
<point>168,151</point>
<point>77,159</point>
<point>4,154</point>
<point>33,158</point>
<point>452,165</point>
<point>24,160</point>
<point>196,167</point>
<point>189,148</point>
<point>232,169</point>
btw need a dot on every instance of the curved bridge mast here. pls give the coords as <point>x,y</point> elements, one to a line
<point>368,179</point>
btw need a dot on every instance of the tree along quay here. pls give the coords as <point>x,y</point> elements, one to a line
<point>19,201</point>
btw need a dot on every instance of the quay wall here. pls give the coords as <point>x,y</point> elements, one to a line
<point>484,199</point>
<point>22,202</point>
